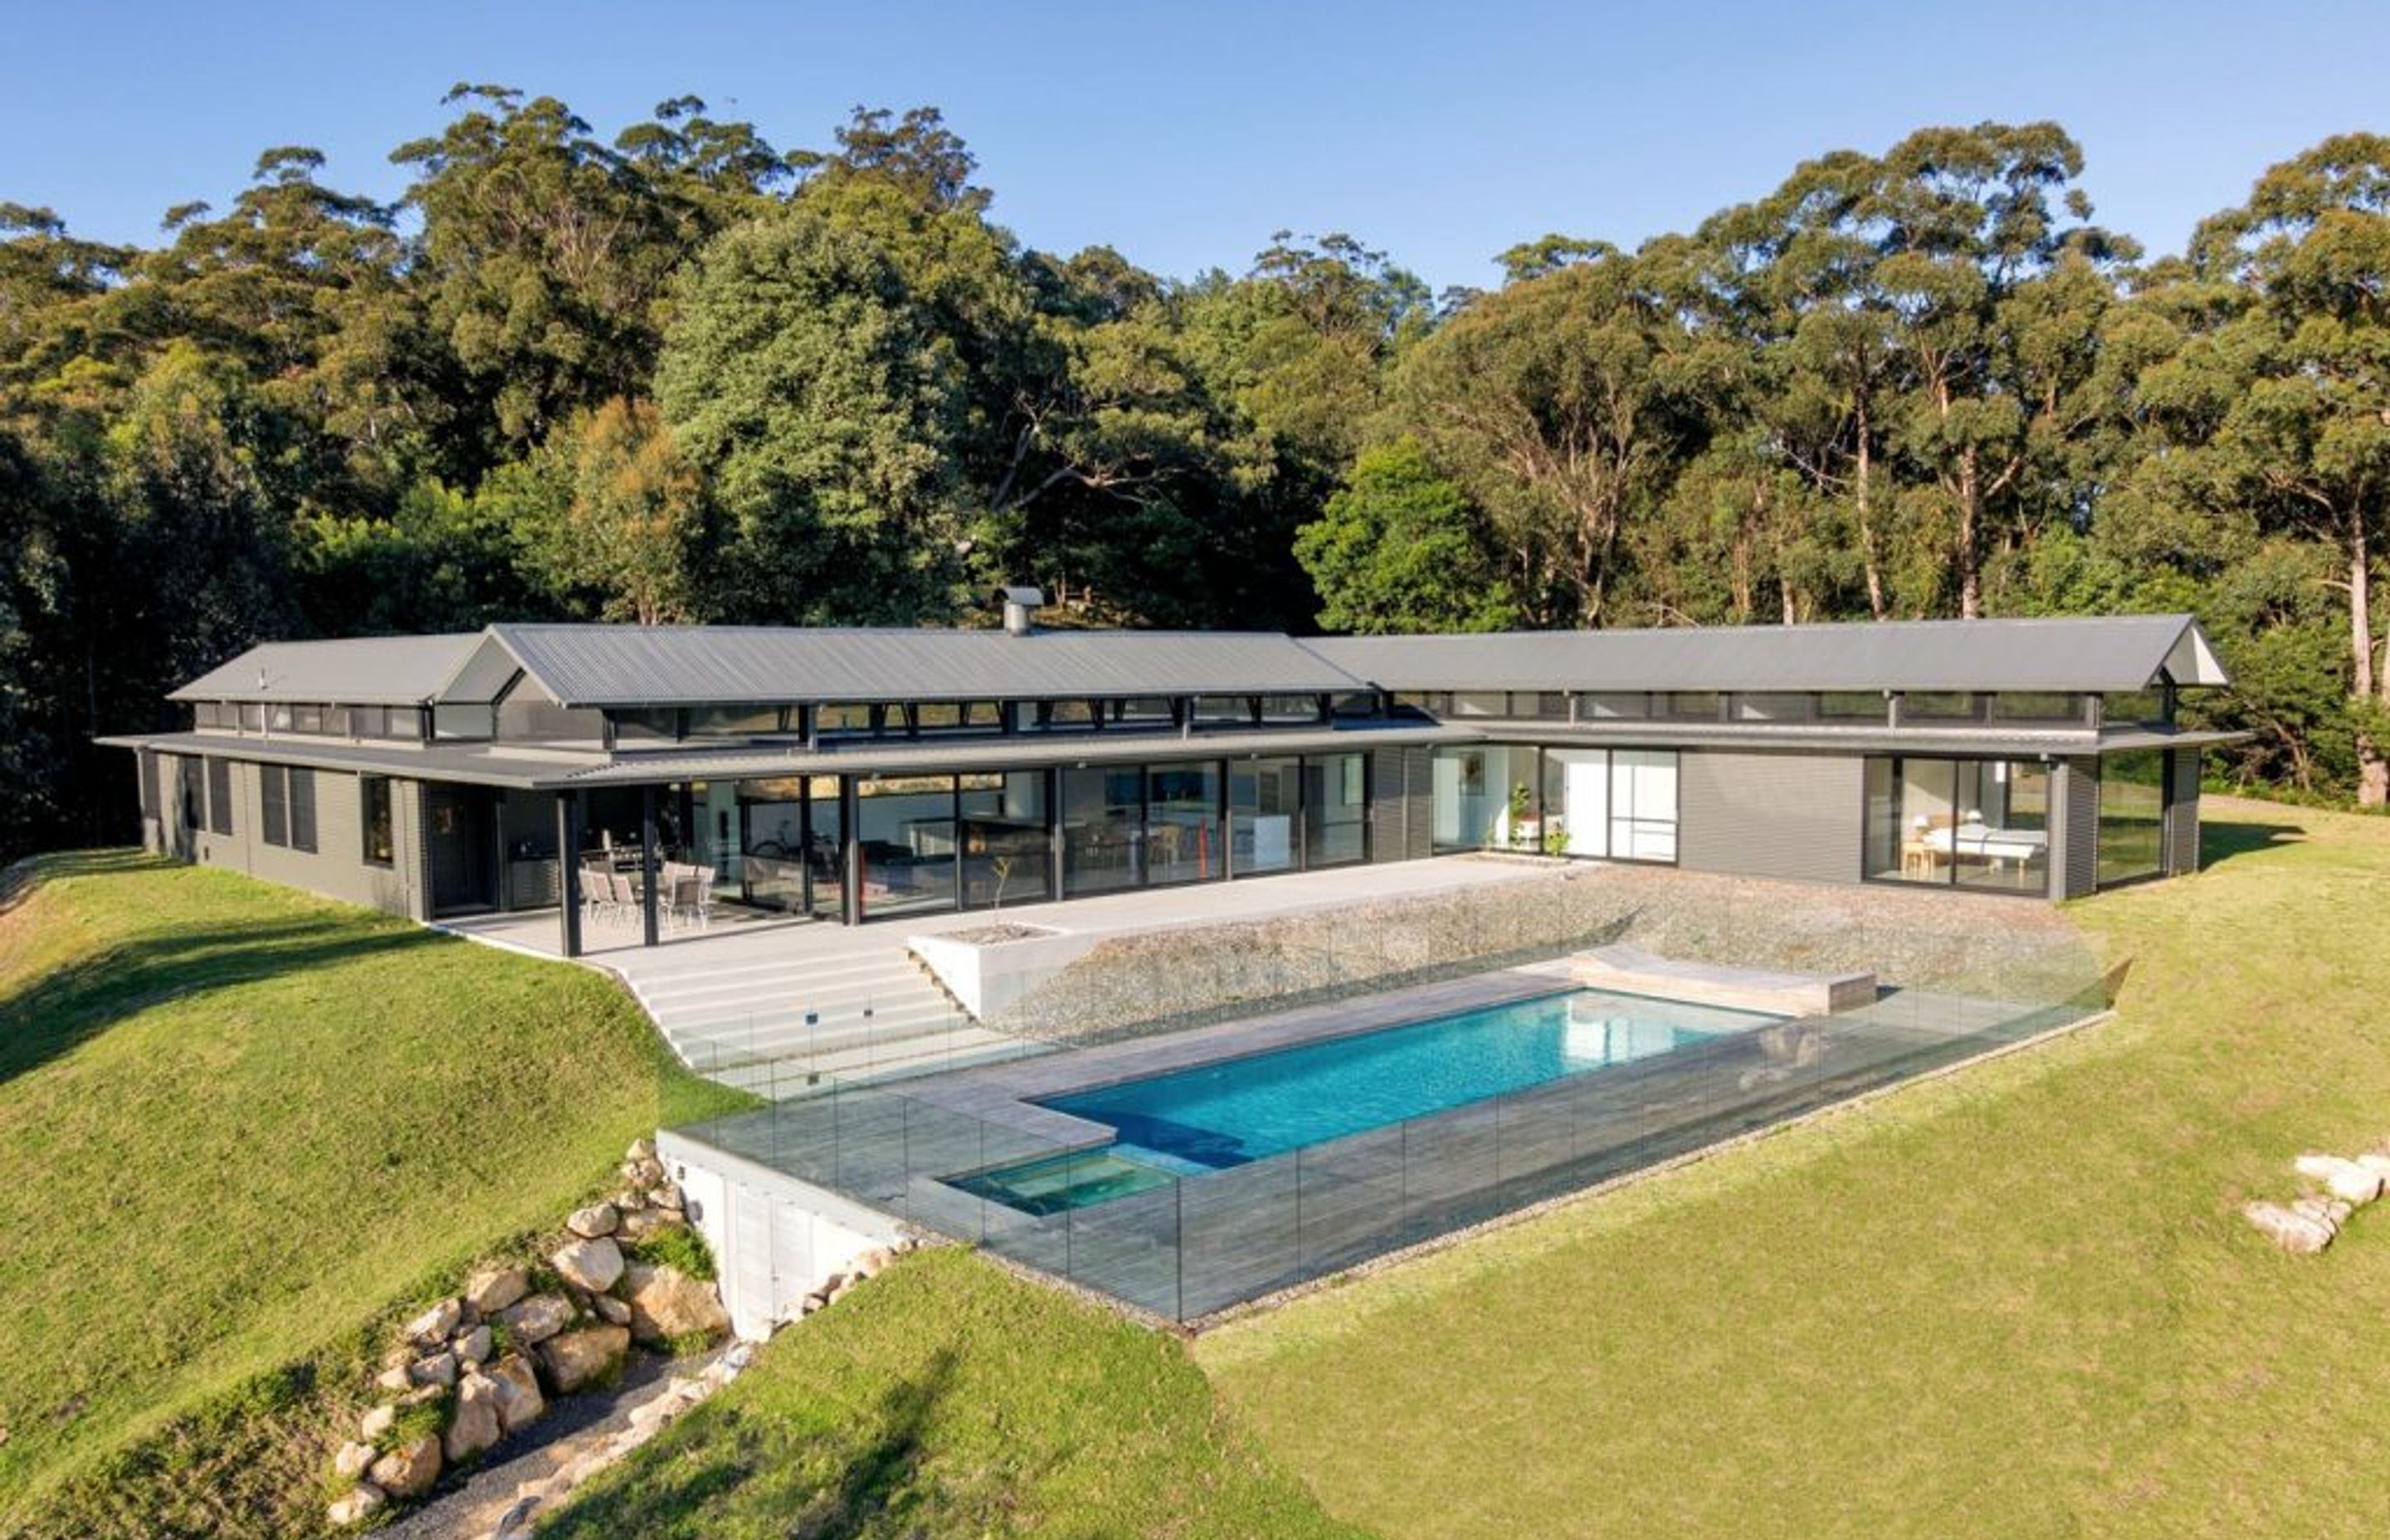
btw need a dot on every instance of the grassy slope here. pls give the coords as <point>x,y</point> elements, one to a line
<point>948,1398</point>
<point>2018,1302</point>
<point>240,1122</point>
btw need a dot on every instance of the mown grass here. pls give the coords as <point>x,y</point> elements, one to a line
<point>2016,1302</point>
<point>241,1125</point>
<point>946,1397</point>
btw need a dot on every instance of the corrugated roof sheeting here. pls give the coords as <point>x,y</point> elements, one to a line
<point>2121,652</point>
<point>601,666</point>
<point>366,670</point>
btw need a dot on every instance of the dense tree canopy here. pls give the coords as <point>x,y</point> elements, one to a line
<point>677,373</point>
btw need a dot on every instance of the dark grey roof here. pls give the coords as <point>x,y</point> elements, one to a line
<point>2121,652</point>
<point>626,665</point>
<point>368,671</point>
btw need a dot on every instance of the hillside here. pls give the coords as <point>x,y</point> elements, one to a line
<point>946,1397</point>
<point>2017,1302</point>
<point>242,1125</point>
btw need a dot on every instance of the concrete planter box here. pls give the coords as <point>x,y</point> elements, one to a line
<point>989,977</point>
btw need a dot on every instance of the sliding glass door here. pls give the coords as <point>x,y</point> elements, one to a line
<point>1980,824</point>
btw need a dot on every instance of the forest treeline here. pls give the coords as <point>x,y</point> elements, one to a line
<point>680,373</point>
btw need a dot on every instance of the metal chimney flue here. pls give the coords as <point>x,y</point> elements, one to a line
<point>1020,607</point>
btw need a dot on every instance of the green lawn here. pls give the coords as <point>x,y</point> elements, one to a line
<point>946,1397</point>
<point>2016,1302</point>
<point>240,1124</point>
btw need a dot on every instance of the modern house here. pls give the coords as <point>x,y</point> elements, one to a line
<point>853,775</point>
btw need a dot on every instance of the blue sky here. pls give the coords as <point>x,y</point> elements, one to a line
<point>1185,134</point>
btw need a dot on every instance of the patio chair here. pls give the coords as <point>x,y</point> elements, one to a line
<point>691,900</point>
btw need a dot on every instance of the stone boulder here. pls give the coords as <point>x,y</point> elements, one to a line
<point>358,1505</point>
<point>493,1288</point>
<point>641,1150</point>
<point>432,1327</point>
<point>473,1347</point>
<point>2296,1232</point>
<point>515,1387</point>
<point>475,1424</point>
<point>589,1224</point>
<point>591,1264</point>
<point>409,1469</point>
<point>667,1303</point>
<point>536,1319</point>
<point>613,1312</point>
<point>2349,1181</point>
<point>438,1369</point>
<point>352,1459</point>
<point>574,1359</point>
<point>377,1422</point>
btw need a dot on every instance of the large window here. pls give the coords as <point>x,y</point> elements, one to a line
<point>286,804</point>
<point>1980,824</point>
<point>373,815</point>
<point>905,829</point>
<point>1104,828</point>
<point>220,796</point>
<point>1004,838</point>
<point>1183,823</point>
<point>1336,810</point>
<point>1264,798</point>
<point>1643,804</point>
<point>1577,802</point>
<point>2132,815</point>
<point>1486,798</point>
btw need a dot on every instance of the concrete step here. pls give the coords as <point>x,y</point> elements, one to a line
<point>788,1077</point>
<point>791,1017</point>
<point>785,973</point>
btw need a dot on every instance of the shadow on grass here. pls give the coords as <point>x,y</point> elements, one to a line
<point>877,1478</point>
<point>2220,841</point>
<point>51,1014</point>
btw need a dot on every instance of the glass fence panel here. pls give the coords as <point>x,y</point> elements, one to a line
<point>1238,1235</point>
<point>1352,1194</point>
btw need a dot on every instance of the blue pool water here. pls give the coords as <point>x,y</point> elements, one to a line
<point>1223,1114</point>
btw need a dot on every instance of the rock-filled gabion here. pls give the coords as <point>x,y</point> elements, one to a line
<point>1163,981</point>
<point>2308,1223</point>
<point>481,1364</point>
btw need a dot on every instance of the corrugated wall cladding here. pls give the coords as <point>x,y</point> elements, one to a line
<point>2182,812</point>
<point>336,867</point>
<point>2079,823</point>
<point>1788,815</point>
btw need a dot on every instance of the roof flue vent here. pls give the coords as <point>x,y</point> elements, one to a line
<point>1020,607</point>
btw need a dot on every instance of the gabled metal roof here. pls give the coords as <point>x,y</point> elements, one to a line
<point>628,666</point>
<point>2101,653</point>
<point>364,671</point>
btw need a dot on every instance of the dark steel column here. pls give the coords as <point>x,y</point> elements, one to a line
<point>568,869</point>
<point>648,915</point>
<point>850,812</point>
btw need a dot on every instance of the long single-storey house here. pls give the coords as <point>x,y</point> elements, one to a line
<point>855,774</point>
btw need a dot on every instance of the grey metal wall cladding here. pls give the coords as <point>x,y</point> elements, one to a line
<point>2182,812</point>
<point>335,868</point>
<point>1401,814</point>
<point>2078,856</point>
<point>1419,803</point>
<point>2119,652</point>
<point>1789,816</point>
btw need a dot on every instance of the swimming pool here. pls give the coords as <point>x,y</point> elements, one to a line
<point>1216,1116</point>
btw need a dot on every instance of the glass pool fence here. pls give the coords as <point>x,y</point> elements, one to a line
<point>1187,1244</point>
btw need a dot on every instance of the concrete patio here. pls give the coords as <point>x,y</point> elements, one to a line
<point>778,1004</point>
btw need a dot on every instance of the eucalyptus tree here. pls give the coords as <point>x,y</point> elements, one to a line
<point>546,255</point>
<point>1560,405</point>
<point>2306,372</point>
